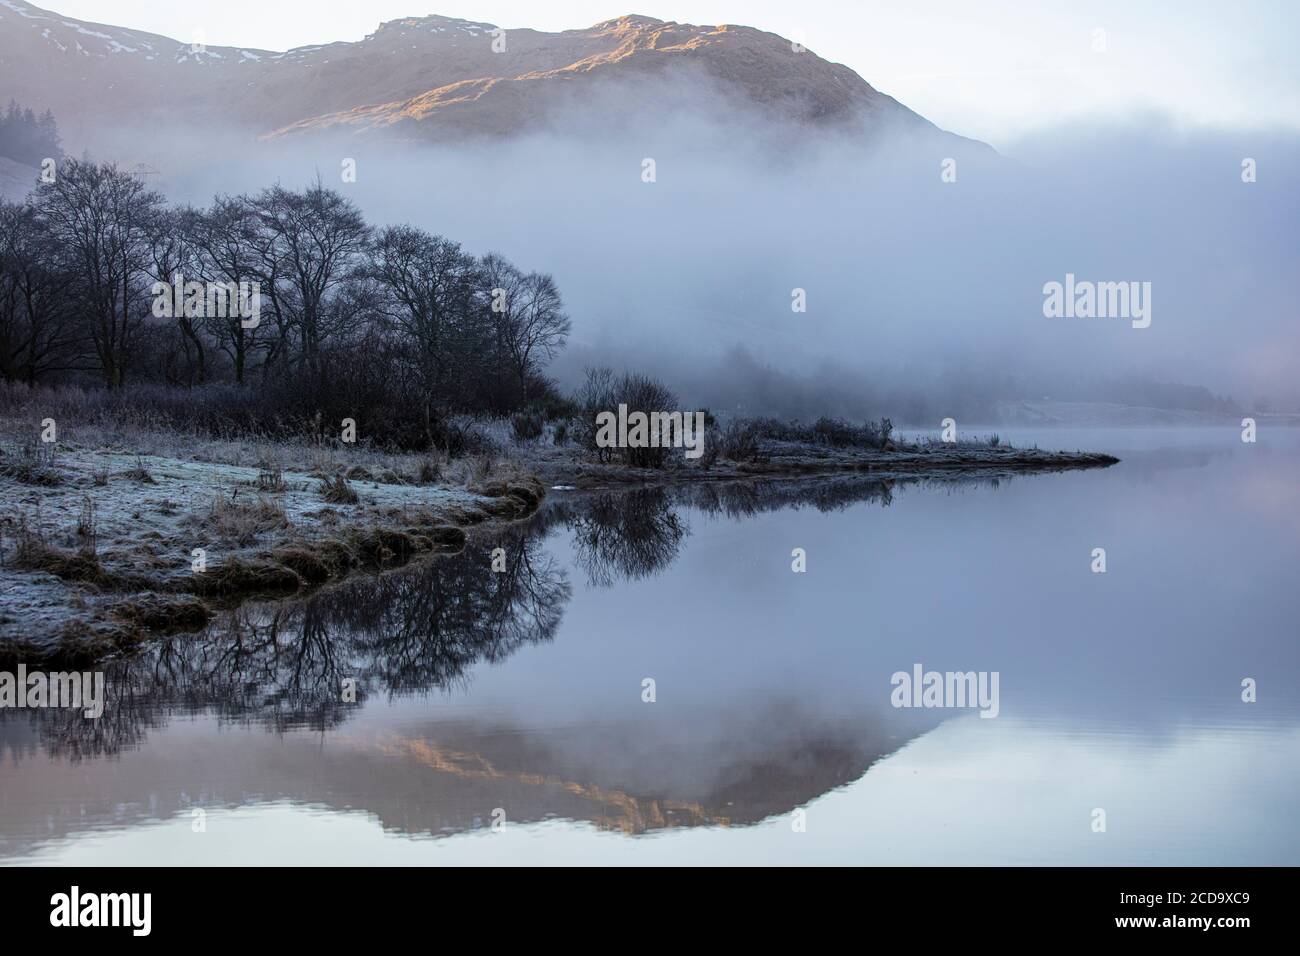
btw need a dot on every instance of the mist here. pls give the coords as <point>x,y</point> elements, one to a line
<point>923,297</point>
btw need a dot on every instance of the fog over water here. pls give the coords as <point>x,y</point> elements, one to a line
<point>923,296</point>
<point>682,666</point>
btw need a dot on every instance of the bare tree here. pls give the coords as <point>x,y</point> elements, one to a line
<point>172,259</point>
<point>373,328</point>
<point>307,245</point>
<point>103,218</point>
<point>527,318</point>
<point>37,337</point>
<point>432,294</point>
<point>538,327</point>
<point>223,240</point>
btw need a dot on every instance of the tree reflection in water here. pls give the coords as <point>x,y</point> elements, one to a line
<point>627,535</point>
<point>284,665</point>
<point>408,631</point>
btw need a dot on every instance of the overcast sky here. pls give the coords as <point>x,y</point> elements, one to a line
<point>995,70</point>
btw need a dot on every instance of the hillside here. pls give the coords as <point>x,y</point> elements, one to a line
<point>427,78</point>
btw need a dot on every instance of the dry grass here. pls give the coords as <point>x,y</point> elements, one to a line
<point>124,560</point>
<point>242,521</point>
<point>140,472</point>
<point>32,463</point>
<point>33,552</point>
<point>270,479</point>
<point>120,423</point>
<point>516,495</point>
<point>315,565</point>
<point>338,491</point>
<point>237,577</point>
<point>88,526</point>
<point>158,612</point>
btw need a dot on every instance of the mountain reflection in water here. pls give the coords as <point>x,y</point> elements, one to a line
<point>419,630</point>
<point>520,690</point>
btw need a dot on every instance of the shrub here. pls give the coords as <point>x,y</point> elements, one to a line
<point>602,392</point>
<point>554,407</point>
<point>527,426</point>
<point>840,434</point>
<point>32,464</point>
<point>594,396</point>
<point>88,526</point>
<point>740,441</point>
<point>461,437</point>
<point>140,472</point>
<point>270,478</point>
<point>338,491</point>
<point>243,521</point>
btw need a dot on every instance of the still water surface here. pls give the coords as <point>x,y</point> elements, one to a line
<point>517,696</point>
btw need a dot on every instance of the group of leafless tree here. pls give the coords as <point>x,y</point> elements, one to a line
<point>346,309</point>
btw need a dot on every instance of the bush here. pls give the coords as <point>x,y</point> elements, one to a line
<point>740,441</point>
<point>242,520</point>
<point>834,432</point>
<point>554,407</point>
<point>465,437</point>
<point>527,426</point>
<point>32,464</point>
<point>594,396</point>
<point>840,434</point>
<point>270,478</point>
<point>141,472</point>
<point>338,491</point>
<point>602,392</point>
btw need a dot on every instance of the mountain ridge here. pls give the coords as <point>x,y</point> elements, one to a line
<point>424,78</point>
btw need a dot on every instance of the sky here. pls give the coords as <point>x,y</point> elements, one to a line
<point>995,70</point>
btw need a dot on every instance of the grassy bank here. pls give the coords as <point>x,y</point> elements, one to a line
<point>123,528</point>
<point>101,544</point>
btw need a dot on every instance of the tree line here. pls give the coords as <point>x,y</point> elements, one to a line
<point>27,138</point>
<point>394,314</point>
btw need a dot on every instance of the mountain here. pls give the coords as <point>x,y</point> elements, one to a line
<point>424,79</point>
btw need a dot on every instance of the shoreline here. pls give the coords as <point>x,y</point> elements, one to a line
<point>102,549</point>
<point>794,460</point>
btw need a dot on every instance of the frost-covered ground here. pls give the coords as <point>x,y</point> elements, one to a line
<point>770,458</point>
<point>116,531</point>
<point>104,537</point>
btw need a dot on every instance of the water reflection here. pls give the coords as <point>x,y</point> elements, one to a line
<point>773,687</point>
<point>284,665</point>
<point>623,536</point>
<point>282,668</point>
<point>411,631</point>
